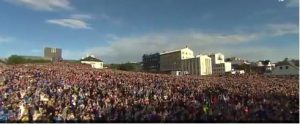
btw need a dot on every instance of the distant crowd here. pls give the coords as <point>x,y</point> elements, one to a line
<point>63,92</point>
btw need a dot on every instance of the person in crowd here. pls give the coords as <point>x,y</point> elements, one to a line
<point>64,92</point>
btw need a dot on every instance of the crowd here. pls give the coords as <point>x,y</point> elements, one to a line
<point>62,92</point>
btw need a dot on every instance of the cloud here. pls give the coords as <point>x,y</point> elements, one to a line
<point>72,54</point>
<point>82,16</point>
<point>255,53</point>
<point>70,23</point>
<point>4,39</point>
<point>123,49</point>
<point>283,29</point>
<point>108,18</point>
<point>132,48</point>
<point>36,51</point>
<point>292,3</point>
<point>111,36</point>
<point>44,5</point>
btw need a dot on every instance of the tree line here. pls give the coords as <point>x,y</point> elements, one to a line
<point>15,59</point>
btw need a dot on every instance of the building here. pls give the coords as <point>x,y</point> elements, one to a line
<point>2,60</point>
<point>200,65</point>
<point>264,66</point>
<point>238,65</point>
<point>237,61</point>
<point>151,62</point>
<point>55,54</point>
<point>286,68</point>
<point>94,62</point>
<point>219,66</point>
<point>171,60</point>
<point>238,72</point>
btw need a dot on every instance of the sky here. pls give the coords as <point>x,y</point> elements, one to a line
<point>118,31</point>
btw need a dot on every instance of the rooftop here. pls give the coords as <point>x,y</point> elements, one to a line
<point>90,58</point>
<point>202,55</point>
<point>215,54</point>
<point>290,62</point>
<point>174,51</point>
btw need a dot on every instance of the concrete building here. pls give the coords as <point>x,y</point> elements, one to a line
<point>171,60</point>
<point>94,62</point>
<point>151,62</point>
<point>200,65</point>
<point>55,54</point>
<point>285,68</point>
<point>219,66</point>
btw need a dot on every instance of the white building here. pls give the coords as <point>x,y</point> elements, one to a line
<point>286,69</point>
<point>237,72</point>
<point>200,65</point>
<point>94,62</point>
<point>219,66</point>
<point>237,61</point>
<point>171,60</point>
<point>265,66</point>
<point>179,73</point>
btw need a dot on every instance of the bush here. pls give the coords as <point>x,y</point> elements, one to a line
<point>126,66</point>
<point>15,59</point>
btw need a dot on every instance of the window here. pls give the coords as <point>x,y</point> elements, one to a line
<point>53,50</point>
<point>286,67</point>
<point>280,68</point>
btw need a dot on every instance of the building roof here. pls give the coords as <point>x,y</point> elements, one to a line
<point>51,48</point>
<point>263,63</point>
<point>266,62</point>
<point>294,64</point>
<point>290,62</point>
<point>90,58</point>
<point>213,54</point>
<point>173,51</point>
<point>202,55</point>
<point>152,54</point>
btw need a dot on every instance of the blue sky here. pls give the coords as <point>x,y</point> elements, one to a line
<point>123,30</point>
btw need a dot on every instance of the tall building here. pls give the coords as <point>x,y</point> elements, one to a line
<point>171,60</point>
<point>200,65</point>
<point>219,66</point>
<point>151,62</point>
<point>55,54</point>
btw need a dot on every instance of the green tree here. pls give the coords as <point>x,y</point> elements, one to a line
<point>127,67</point>
<point>15,59</point>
